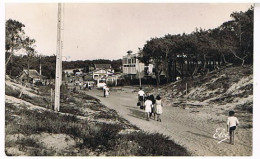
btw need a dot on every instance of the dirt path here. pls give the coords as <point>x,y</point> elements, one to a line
<point>191,129</point>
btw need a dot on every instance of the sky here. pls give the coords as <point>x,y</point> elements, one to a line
<point>109,30</point>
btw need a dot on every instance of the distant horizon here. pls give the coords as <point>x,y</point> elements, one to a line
<point>108,30</point>
<point>70,60</point>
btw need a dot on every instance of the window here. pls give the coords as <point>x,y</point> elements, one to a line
<point>129,61</point>
<point>124,60</point>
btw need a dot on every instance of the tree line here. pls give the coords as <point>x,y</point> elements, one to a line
<point>86,64</point>
<point>187,55</point>
<point>17,40</point>
<point>48,64</point>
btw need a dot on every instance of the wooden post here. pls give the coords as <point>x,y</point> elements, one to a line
<point>51,97</point>
<point>186,106</point>
<point>186,90</point>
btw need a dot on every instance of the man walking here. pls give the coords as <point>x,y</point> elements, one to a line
<point>141,97</point>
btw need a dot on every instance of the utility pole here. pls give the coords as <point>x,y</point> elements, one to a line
<point>58,76</point>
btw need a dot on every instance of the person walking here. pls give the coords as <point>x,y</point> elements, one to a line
<point>153,104</point>
<point>89,86</point>
<point>232,123</point>
<point>104,90</point>
<point>158,107</point>
<point>107,91</point>
<point>141,97</point>
<point>148,107</point>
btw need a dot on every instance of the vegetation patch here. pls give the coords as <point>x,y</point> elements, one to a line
<point>248,106</point>
<point>91,138</point>
<point>11,92</point>
<point>155,145</point>
<point>110,114</point>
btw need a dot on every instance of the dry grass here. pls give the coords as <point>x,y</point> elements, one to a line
<point>219,87</point>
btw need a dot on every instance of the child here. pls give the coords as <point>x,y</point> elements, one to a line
<point>232,123</point>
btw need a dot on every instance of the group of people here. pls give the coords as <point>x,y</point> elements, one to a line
<point>152,106</point>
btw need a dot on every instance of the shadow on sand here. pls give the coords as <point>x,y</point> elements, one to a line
<point>131,106</point>
<point>137,113</point>
<point>100,96</point>
<point>225,141</point>
<point>201,135</point>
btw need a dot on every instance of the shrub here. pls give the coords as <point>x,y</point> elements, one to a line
<point>156,145</point>
<point>246,107</point>
<point>35,121</point>
<point>12,92</point>
<point>95,107</point>
<point>124,148</point>
<point>106,115</point>
<point>36,100</point>
<point>86,97</point>
<point>71,110</point>
<point>30,142</point>
<point>103,139</point>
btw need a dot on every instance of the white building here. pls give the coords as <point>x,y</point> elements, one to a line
<point>107,67</point>
<point>70,71</point>
<point>101,74</point>
<point>133,67</point>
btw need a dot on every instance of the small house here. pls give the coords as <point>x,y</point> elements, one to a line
<point>32,76</point>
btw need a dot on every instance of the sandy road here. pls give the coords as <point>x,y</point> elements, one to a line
<point>194,131</point>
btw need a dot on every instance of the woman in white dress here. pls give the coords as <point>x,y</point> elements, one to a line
<point>148,107</point>
<point>158,108</point>
<point>107,91</point>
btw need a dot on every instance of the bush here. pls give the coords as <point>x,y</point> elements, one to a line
<point>35,100</point>
<point>124,148</point>
<point>34,121</point>
<point>246,107</point>
<point>85,96</point>
<point>71,110</point>
<point>155,145</point>
<point>30,142</point>
<point>110,114</point>
<point>103,138</point>
<point>11,92</point>
<point>95,107</point>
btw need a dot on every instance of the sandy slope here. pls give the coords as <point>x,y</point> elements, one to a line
<point>192,128</point>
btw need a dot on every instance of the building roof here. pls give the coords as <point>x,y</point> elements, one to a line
<point>32,73</point>
<point>102,66</point>
<point>131,55</point>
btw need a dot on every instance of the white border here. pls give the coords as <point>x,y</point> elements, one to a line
<point>2,78</point>
<point>256,133</point>
<point>256,102</point>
